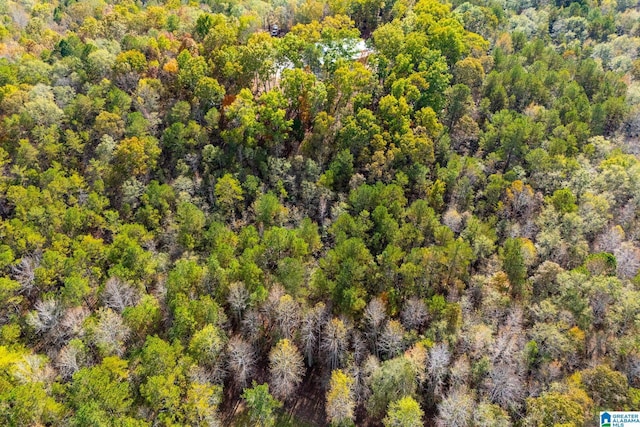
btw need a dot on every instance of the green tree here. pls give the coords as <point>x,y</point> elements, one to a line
<point>228,193</point>
<point>28,404</point>
<point>192,69</point>
<point>261,405</point>
<point>135,157</point>
<point>274,124</point>
<point>340,171</point>
<point>564,201</point>
<point>207,345</point>
<point>242,126</point>
<point>102,390</point>
<point>163,395</point>
<point>459,103</point>
<point>201,404</point>
<point>510,136</point>
<point>344,273</point>
<point>405,412</point>
<point>144,318</point>
<point>191,222</point>
<point>269,211</point>
<point>203,24</point>
<point>514,265</point>
<point>606,387</point>
<point>554,408</point>
<point>394,379</point>
<point>25,393</point>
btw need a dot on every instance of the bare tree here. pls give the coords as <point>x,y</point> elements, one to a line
<point>311,329</point>
<point>201,375</point>
<point>509,341</point>
<point>269,310</point>
<point>45,317</point>
<point>374,317</point>
<point>33,368</point>
<point>334,342</point>
<point>24,273</point>
<point>286,368</point>
<point>600,303</point>
<point>365,377</point>
<point>360,387</point>
<point>628,260</point>
<point>241,361</point>
<point>19,16</point>
<point>544,279</point>
<point>309,337</point>
<point>453,220</point>
<point>238,299</point>
<point>358,346</point>
<point>110,333</point>
<point>506,387</point>
<point>391,339</point>
<point>119,294</point>
<point>632,369</point>
<point>456,409</point>
<point>414,314</point>
<point>438,367</point>
<point>275,293</point>
<point>418,355</point>
<point>69,360</point>
<point>70,326</point>
<point>610,240</point>
<point>520,201</point>
<point>460,372</point>
<point>251,325</point>
<point>73,319</point>
<point>287,316</point>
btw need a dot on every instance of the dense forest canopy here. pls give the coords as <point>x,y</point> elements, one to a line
<point>299,212</point>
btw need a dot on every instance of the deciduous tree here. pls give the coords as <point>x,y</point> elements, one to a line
<point>286,368</point>
<point>340,406</point>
